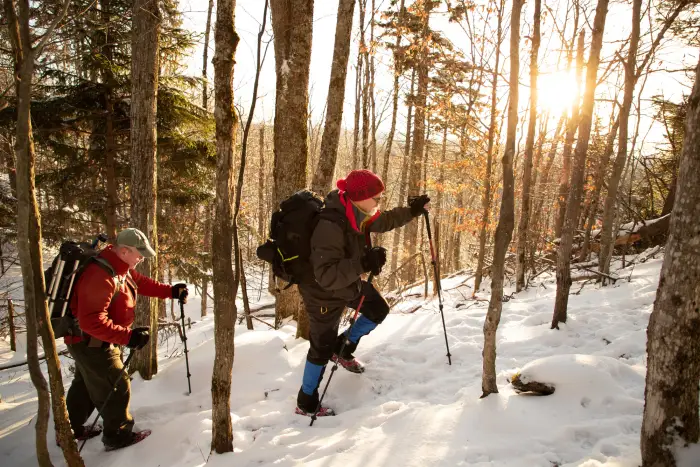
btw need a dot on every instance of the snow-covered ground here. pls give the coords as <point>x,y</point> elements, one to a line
<point>410,408</point>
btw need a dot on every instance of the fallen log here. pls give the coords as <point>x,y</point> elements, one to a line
<point>531,387</point>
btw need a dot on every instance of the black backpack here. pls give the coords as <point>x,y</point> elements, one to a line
<point>63,274</point>
<point>289,245</point>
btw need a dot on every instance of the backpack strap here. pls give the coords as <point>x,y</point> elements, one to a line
<point>104,264</point>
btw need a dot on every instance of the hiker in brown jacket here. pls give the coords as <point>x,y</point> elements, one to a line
<point>341,252</point>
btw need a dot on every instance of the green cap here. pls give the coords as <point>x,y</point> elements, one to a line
<point>137,239</point>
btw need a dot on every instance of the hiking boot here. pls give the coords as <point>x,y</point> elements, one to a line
<point>343,355</point>
<point>322,412</point>
<point>350,363</point>
<point>125,440</point>
<point>84,433</point>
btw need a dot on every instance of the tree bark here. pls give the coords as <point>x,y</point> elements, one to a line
<point>110,163</point>
<point>372,94</point>
<point>599,179</point>
<point>576,190</point>
<point>144,96</point>
<point>618,165</point>
<point>262,181</point>
<point>364,56</point>
<point>416,158</point>
<point>527,163</point>
<point>293,26</point>
<point>571,127</point>
<point>239,276</point>
<point>671,394</point>
<point>402,187</point>
<point>206,258</point>
<point>486,199</point>
<point>506,217</point>
<point>29,241</point>
<point>398,69</point>
<point>323,177</point>
<point>226,42</point>
<point>205,57</point>
<point>358,111</point>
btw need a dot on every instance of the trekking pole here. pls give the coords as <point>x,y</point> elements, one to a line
<point>340,352</point>
<point>184,342</point>
<point>104,404</point>
<point>437,283</point>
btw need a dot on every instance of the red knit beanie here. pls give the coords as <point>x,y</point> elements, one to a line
<point>360,185</point>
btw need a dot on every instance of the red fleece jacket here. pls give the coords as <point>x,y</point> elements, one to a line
<point>92,305</point>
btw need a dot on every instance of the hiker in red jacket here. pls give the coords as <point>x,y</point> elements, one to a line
<point>103,304</point>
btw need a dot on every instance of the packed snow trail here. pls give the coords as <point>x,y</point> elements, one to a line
<point>410,408</point>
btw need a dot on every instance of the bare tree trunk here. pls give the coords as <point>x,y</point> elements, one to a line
<point>205,57</point>
<point>614,182</point>
<point>438,204</point>
<point>262,179</point>
<point>144,95</point>
<point>527,163</point>
<point>206,259</point>
<point>571,126</point>
<point>416,158</point>
<point>110,136</point>
<point>574,200</point>
<point>671,394</point>
<point>402,186</point>
<point>486,199</point>
<point>599,179</point>
<point>358,110</point>
<point>239,276</point>
<point>225,43</point>
<point>398,69</point>
<point>506,218</point>
<point>372,100</point>
<point>292,26</point>
<point>29,240</point>
<point>323,175</point>
<point>364,54</point>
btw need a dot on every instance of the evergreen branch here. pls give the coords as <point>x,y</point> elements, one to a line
<point>47,35</point>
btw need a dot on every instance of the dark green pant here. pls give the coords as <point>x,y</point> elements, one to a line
<point>96,370</point>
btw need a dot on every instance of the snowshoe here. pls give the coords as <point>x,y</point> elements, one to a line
<point>351,364</point>
<point>323,412</point>
<point>128,440</point>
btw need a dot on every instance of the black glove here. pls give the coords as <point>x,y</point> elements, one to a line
<point>180,291</point>
<point>373,260</point>
<point>139,338</point>
<point>417,204</point>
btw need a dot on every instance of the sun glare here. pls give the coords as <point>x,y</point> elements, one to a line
<point>556,91</point>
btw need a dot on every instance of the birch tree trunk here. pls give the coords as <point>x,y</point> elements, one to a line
<point>226,41</point>
<point>673,370</point>
<point>506,217</point>
<point>576,190</point>
<point>292,23</point>
<point>323,176</point>
<point>527,163</point>
<point>29,240</point>
<point>144,95</point>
